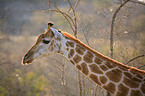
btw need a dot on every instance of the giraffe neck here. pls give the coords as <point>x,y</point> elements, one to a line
<point>115,77</point>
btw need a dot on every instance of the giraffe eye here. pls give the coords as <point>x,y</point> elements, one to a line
<point>45,41</point>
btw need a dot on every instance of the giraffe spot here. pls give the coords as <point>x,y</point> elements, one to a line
<point>58,38</point>
<point>136,79</point>
<point>79,49</point>
<point>103,67</point>
<point>103,79</point>
<point>130,83</point>
<point>88,57</point>
<point>95,79</point>
<point>114,75</point>
<point>143,88</point>
<point>67,44</point>
<point>98,61</point>
<point>67,49</point>
<point>110,87</point>
<point>77,58</point>
<point>94,68</point>
<point>135,93</point>
<point>52,42</point>
<point>71,53</point>
<point>122,90</point>
<point>85,68</point>
<point>71,44</point>
<point>132,78</point>
<point>72,62</point>
<point>51,34</point>
<point>51,49</point>
<point>109,65</point>
<point>79,67</point>
<point>140,76</point>
<point>128,74</point>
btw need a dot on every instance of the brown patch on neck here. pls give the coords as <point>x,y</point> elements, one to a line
<point>103,79</point>
<point>110,87</point>
<point>136,93</point>
<point>95,79</point>
<point>122,90</point>
<point>77,59</point>
<point>94,68</point>
<point>104,57</point>
<point>84,68</point>
<point>88,57</point>
<point>114,75</point>
<point>130,83</point>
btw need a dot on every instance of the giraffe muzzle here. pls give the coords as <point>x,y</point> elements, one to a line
<point>27,59</point>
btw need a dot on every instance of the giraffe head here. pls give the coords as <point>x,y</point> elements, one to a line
<point>46,44</point>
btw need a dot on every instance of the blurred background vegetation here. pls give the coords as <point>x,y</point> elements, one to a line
<point>21,21</point>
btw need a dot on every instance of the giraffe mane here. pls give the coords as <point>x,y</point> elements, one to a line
<point>133,69</point>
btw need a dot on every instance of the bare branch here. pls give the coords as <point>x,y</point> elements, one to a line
<point>112,27</point>
<point>135,58</point>
<point>77,3</point>
<point>83,29</point>
<point>74,17</point>
<point>65,16</point>
<point>80,82</point>
<point>70,5</point>
<point>71,21</point>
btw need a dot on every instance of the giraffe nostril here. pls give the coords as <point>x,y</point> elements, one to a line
<point>26,55</point>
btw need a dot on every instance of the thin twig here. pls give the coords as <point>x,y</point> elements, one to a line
<point>135,58</point>
<point>74,18</point>
<point>138,2</point>
<point>85,33</point>
<point>77,3</point>
<point>64,13</point>
<point>65,16</point>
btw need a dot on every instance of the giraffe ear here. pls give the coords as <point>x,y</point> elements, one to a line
<point>49,33</point>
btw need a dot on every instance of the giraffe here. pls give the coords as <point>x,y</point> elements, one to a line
<point>113,76</point>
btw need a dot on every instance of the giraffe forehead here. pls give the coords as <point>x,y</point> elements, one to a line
<point>39,38</point>
<point>42,37</point>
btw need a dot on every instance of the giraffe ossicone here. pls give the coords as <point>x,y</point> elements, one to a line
<point>115,77</point>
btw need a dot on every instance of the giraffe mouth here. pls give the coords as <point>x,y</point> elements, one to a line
<point>27,61</point>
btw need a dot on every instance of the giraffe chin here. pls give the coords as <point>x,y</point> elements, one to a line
<point>26,62</point>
